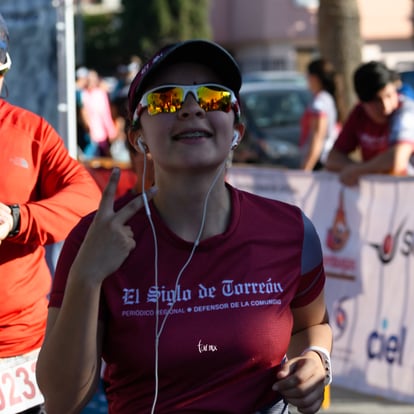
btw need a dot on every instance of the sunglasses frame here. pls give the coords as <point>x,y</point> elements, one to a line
<point>143,103</point>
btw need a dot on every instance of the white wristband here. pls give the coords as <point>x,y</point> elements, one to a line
<point>326,361</point>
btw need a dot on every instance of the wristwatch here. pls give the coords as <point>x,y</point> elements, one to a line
<point>15,209</point>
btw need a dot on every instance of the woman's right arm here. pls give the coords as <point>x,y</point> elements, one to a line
<point>68,366</point>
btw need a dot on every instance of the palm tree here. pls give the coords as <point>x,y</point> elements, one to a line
<point>340,42</point>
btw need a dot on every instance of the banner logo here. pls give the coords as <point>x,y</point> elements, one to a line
<point>386,250</point>
<point>387,347</point>
<point>340,317</point>
<point>338,233</point>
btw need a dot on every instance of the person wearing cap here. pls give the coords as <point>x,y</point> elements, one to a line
<point>380,127</point>
<point>43,194</point>
<point>198,297</point>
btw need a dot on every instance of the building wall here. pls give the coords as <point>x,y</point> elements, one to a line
<point>386,19</point>
<point>387,29</point>
<point>281,34</point>
<point>248,21</point>
<point>270,34</point>
<point>263,34</point>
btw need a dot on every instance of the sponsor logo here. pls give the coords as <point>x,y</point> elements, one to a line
<point>385,346</point>
<point>387,248</point>
<point>338,234</point>
<point>206,347</point>
<point>340,317</point>
<point>19,162</point>
<point>408,243</point>
<point>229,295</point>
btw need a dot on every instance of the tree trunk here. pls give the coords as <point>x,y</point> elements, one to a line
<point>340,42</point>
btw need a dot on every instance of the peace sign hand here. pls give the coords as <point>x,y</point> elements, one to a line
<point>108,240</point>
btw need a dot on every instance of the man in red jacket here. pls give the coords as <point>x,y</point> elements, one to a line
<point>43,194</point>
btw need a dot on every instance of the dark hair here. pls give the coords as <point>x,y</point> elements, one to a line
<point>325,72</point>
<point>370,78</point>
<point>131,149</point>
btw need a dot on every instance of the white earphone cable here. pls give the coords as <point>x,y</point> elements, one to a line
<point>196,242</point>
<point>158,328</point>
<point>154,234</point>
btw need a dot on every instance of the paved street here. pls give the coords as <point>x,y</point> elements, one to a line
<point>348,402</point>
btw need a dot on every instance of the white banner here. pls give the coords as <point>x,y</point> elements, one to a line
<point>367,236</point>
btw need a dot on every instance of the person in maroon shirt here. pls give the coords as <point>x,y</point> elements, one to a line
<point>199,297</point>
<point>381,126</point>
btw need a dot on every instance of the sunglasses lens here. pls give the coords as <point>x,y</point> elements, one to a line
<point>170,99</point>
<point>214,99</point>
<point>165,100</point>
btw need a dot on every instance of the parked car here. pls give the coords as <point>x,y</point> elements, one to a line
<point>272,112</point>
<point>289,76</point>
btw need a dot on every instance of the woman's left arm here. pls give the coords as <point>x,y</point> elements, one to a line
<point>310,327</point>
<point>302,379</point>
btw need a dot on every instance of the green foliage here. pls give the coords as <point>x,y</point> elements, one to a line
<point>148,25</point>
<point>142,27</point>
<point>102,41</point>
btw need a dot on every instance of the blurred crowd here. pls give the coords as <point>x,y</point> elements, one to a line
<point>101,112</point>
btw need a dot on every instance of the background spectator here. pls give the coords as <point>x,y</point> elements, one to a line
<point>102,129</point>
<point>82,124</point>
<point>381,126</point>
<point>319,122</point>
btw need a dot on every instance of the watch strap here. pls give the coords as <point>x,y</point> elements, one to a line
<point>326,361</point>
<point>15,210</point>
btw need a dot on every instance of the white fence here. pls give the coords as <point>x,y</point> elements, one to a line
<point>367,235</point>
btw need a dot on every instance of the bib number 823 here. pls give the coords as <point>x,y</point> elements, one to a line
<point>18,388</point>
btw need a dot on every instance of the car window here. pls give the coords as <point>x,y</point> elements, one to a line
<point>271,109</point>
<point>282,77</point>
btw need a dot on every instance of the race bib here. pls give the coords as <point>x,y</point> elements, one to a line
<point>18,387</point>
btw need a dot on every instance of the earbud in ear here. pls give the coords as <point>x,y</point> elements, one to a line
<point>235,141</point>
<point>141,145</point>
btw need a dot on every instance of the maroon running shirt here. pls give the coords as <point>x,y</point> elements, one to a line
<point>230,326</point>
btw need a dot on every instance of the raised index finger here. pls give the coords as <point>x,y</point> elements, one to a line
<point>108,195</point>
